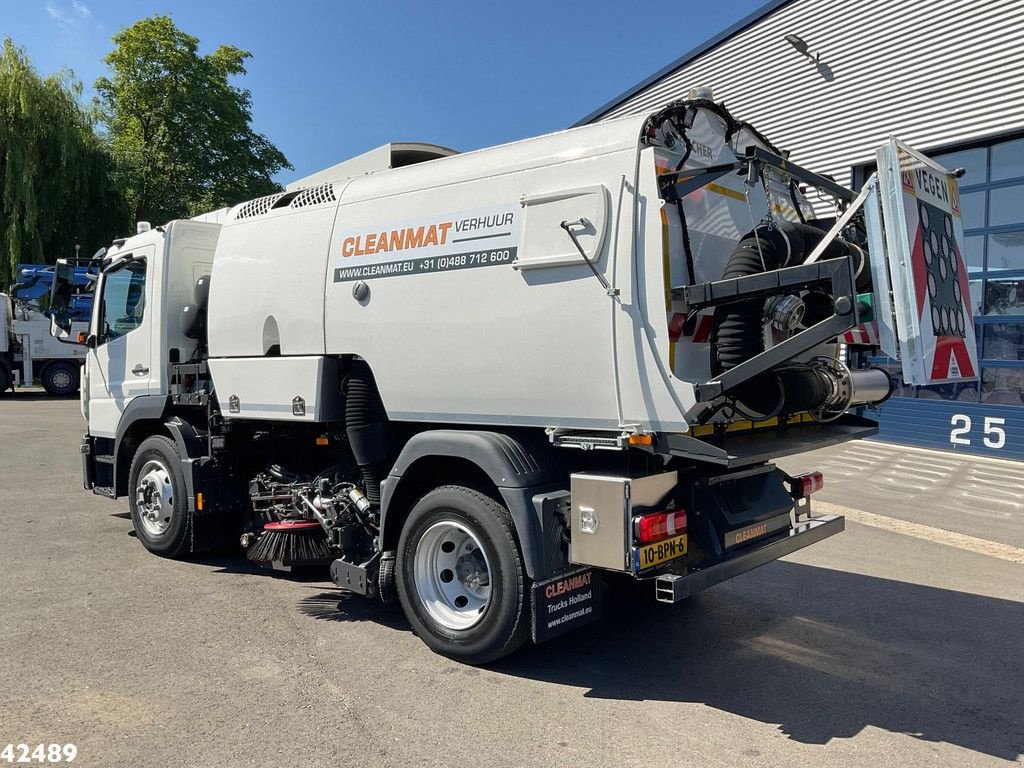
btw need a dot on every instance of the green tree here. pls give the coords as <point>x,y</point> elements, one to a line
<point>179,131</point>
<point>55,187</point>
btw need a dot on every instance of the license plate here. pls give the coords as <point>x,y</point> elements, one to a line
<point>650,555</point>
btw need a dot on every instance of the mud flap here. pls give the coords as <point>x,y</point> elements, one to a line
<point>566,602</point>
<point>214,522</point>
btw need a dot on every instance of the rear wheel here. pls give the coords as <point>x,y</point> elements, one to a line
<point>5,380</point>
<point>157,498</point>
<point>60,379</point>
<point>461,580</point>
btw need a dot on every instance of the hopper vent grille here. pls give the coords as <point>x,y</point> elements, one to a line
<point>257,207</point>
<point>314,196</point>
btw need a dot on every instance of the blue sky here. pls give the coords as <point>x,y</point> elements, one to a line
<point>332,79</point>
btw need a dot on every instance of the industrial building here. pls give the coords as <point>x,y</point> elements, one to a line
<point>830,81</point>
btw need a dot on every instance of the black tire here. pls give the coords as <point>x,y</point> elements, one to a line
<point>163,528</point>
<point>503,624</point>
<point>5,380</point>
<point>60,379</point>
<point>386,581</point>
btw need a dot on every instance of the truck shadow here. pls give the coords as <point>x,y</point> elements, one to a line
<point>227,560</point>
<point>347,607</point>
<point>33,396</point>
<point>821,653</point>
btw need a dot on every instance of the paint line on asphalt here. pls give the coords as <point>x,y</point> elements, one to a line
<point>926,532</point>
<point>938,453</point>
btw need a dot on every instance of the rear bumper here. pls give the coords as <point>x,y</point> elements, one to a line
<point>671,587</point>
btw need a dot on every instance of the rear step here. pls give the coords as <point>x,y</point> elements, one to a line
<point>671,587</point>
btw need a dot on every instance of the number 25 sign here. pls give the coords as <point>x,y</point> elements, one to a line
<point>994,436</point>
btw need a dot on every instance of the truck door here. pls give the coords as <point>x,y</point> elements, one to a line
<point>119,365</point>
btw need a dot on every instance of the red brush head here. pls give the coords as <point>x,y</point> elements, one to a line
<point>292,525</point>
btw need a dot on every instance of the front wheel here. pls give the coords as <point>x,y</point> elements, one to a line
<point>60,379</point>
<point>461,580</point>
<point>157,498</point>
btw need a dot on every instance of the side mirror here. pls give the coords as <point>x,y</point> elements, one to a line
<point>61,293</point>
<point>62,288</point>
<point>60,329</point>
<point>60,326</point>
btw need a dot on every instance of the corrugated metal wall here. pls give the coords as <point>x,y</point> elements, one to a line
<point>953,426</point>
<point>934,72</point>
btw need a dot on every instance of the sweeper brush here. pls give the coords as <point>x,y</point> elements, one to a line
<point>290,544</point>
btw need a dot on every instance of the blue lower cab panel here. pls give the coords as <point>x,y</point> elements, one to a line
<point>989,430</point>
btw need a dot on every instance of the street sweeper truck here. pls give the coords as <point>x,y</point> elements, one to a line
<point>480,383</point>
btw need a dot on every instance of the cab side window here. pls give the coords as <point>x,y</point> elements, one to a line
<point>124,301</point>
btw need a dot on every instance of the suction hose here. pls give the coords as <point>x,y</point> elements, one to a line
<point>367,428</point>
<point>739,327</point>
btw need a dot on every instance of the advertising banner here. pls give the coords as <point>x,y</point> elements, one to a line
<point>465,240</point>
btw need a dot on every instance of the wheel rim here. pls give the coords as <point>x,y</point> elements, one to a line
<point>60,380</point>
<point>452,575</point>
<point>154,497</point>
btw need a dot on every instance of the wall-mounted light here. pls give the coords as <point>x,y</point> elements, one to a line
<point>801,45</point>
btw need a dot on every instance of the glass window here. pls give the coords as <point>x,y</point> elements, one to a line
<point>1006,206</point>
<point>1003,341</point>
<point>972,210</point>
<point>1008,160</point>
<point>974,161</point>
<point>993,200</point>
<point>964,392</point>
<point>1002,385</point>
<point>976,295</point>
<point>124,301</point>
<point>861,174</point>
<point>1004,297</point>
<point>974,251</point>
<point>1005,250</point>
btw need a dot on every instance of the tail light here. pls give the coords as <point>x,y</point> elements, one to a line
<point>805,485</point>
<point>659,525</point>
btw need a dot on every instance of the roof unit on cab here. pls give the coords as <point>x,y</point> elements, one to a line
<point>393,155</point>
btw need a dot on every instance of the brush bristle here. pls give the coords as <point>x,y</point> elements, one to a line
<point>287,549</point>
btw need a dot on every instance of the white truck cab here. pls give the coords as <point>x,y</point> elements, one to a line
<point>144,282</point>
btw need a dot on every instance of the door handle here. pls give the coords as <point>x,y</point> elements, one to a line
<point>140,370</point>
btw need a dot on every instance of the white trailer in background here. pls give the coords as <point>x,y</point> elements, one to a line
<point>481,381</point>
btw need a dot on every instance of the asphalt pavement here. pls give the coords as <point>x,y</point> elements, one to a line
<point>897,643</point>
